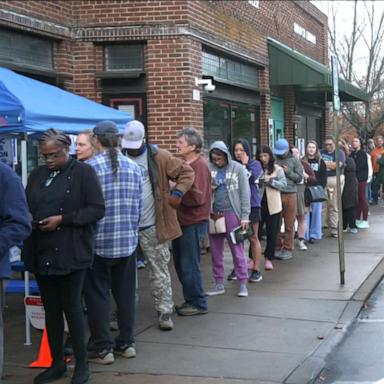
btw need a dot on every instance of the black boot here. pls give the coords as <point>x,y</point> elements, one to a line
<point>81,374</point>
<point>55,372</point>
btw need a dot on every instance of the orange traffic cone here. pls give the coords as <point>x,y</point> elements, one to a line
<point>44,360</point>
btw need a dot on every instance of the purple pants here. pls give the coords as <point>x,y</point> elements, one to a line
<point>237,250</point>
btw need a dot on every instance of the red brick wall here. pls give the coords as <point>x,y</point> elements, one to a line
<point>172,63</point>
<point>117,12</point>
<point>171,66</point>
<point>59,11</point>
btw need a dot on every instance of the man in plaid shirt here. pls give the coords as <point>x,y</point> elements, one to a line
<point>114,268</point>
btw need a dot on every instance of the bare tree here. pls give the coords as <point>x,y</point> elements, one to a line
<point>363,41</point>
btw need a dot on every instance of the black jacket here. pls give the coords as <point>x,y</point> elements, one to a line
<point>361,160</point>
<point>349,196</point>
<point>78,197</point>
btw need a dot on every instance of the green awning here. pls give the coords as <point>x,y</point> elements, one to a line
<point>289,67</point>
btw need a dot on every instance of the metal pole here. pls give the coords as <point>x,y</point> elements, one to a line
<point>340,236</point>
<point>24,177</point>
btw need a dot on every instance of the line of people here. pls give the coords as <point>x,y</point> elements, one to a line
<point>90,214</point>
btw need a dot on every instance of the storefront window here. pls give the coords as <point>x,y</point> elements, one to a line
<point>230,121</point>
<point>229,70</point>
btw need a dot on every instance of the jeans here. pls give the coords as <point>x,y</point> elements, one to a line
<point>118,275</point>
<point>63,294</point>
<point>375,187</point>
<point>186,257</point>
<point>314,224</point>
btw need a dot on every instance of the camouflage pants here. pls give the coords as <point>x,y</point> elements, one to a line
<point>157,256</point>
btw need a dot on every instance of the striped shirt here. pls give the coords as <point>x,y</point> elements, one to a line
<point>117,232</point>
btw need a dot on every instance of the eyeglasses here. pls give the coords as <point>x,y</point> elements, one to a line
<point>53,155</point>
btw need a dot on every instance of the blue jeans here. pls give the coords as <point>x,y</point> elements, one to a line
<point>186,257</point>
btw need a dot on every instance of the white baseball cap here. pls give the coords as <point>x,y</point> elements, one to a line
<point>134,134</point>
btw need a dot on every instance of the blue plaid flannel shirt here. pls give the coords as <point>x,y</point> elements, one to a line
<point>117,232</point>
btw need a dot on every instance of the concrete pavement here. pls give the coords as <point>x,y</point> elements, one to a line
<point>281,333</point>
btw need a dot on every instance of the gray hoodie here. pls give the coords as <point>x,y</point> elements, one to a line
<point>294,173</point>
<point>236,180</point>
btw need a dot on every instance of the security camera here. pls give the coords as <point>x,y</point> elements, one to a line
<point>207,83</point>
<point>210,88</point>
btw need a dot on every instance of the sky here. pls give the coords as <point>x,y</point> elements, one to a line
<point>344,22</point>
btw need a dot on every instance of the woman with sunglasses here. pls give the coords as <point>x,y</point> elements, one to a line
<point>65,201</point>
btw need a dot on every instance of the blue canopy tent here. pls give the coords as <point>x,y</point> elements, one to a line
<point>30,106</point>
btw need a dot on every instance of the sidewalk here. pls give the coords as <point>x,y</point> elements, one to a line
<point>281,333</point>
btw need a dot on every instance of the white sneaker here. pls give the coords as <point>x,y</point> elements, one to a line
<point>243,292</point>
<point>301,245</point>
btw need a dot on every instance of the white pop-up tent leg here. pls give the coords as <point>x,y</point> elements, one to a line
<point>24,178</point>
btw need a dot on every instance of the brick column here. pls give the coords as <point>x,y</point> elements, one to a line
<point>171,67</point>
<point>289,113</point>
<point>265,107</point>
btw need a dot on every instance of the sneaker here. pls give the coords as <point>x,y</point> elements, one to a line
<point>232,276</point>
<point>140,264</point>
<point>243,292</point>
<point>353,230</point>
<point>311,240</point>
<point>268,266</point>
<point>301,245</point>
<point>55,372</point>
<point>127,350</point>
<point>255,277</point>
<point>218,289</point>
<point>346,230</point>
<point>284,255</point>
<point>334,234</point>
<point>278,252</point>
<point>363,224</point>
<point>190,310</point>
<point>103,357</point>
<point>165,322</point>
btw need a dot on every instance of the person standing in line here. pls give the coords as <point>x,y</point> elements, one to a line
<point>349,197</point>
<point>231,200</point>
<point>375,156</point>
<point>114,266</point>
<point>271,182</point>
<point>314,223</point>
<point>369,149</point>
<point>330,207</point>
<point>193,214</point>
<point>242,154</point>
<point>158,223</point>
<point>294,174</point>
<point>15,226</point>
<point>65,201</point>
<point>361,161</point>
<point>85,145</point>
<point>309,179</point>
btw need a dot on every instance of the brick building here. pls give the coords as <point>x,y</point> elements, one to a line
<point>267,60</point>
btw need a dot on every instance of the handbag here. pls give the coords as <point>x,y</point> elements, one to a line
<point>315,194</point>
<point>217,224</point>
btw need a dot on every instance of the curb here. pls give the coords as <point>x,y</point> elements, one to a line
<point>311,368</point>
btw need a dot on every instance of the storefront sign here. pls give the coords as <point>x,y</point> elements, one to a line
<point>8,151</point>
<point>304,33</point>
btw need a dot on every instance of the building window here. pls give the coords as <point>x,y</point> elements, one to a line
<point>230,71</point>
<point>124,57</point>
<point>27,50</point>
